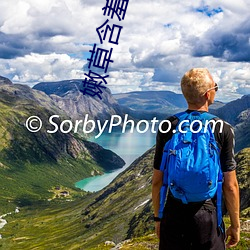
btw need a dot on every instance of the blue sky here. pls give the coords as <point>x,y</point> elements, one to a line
<point>49,40</point>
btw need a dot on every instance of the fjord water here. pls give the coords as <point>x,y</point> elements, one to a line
<point>128,146</point>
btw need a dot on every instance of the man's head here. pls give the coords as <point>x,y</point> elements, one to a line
<point>197,86</point>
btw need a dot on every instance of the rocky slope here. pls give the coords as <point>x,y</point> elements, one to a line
<point>242,130</point>
<point>67,96</point>
<point>232,110</point>
<point>237,114</point>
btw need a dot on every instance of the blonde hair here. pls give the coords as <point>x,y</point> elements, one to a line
<point>195,83</point>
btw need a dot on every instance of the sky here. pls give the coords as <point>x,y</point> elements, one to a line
<point>159,41</point>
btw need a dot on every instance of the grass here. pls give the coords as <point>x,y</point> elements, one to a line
<point>51,225</point>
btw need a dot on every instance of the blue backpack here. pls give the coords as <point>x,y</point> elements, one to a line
<point>191,162</point>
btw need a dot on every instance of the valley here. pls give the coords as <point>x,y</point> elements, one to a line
<point>38,171</point>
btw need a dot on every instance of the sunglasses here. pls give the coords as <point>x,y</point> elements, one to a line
<point>216,87</point>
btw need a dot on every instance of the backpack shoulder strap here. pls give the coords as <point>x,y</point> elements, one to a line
<point>207,116</point>
<point>182,115</point>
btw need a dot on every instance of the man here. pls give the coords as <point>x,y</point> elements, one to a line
<point>194,225</point>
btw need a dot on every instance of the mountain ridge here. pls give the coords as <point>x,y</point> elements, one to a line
<point>68,97</point>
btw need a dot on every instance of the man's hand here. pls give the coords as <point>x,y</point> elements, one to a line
<point>157,228</point>
<point>232,236</point>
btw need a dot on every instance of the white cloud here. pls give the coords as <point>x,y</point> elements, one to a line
<point>35,68</point>
<point>46,40</point>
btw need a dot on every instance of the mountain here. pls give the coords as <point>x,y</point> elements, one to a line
<point>106,215</point>
<point>66,94</point>
<point>38,166</point>
<point>149,104</point>
<point>4,80</point>
<point>216,105</point>
<point>232,110</point>
<point>242,130</point>
<point>237,114</point>
<point>32,163</point>
<point>142,100</point>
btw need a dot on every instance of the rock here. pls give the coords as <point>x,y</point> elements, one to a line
<point>109,243</point>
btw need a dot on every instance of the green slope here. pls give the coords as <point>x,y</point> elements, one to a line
<point>116,213</point>
<point>33,163</point>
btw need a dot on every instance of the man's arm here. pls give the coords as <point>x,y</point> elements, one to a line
<point>156,187</point>
<point>232,200</point>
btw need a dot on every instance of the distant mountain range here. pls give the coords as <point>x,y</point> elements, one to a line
<point>231,111</point>
<point>66,96</point>
<point>161,104</point>
<point>138,105</point>
<point>152,100</point>
<point>149,104</point>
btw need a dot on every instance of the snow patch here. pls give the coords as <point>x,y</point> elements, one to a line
<point>2,223</point>
<point>142,204</point>
<point>143,186</point>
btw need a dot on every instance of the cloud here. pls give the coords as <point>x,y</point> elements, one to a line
<point>159,42</point>
<point>231,45</point>
<point>45,27</point>
<point>34,68</point>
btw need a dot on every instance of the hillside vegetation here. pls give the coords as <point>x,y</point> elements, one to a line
<point>121,211</point>
<point>32,163</point>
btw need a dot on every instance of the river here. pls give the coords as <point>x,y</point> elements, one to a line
<point>128,146</point>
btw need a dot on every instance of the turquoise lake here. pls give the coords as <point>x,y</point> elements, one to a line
<point>129,146</point>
